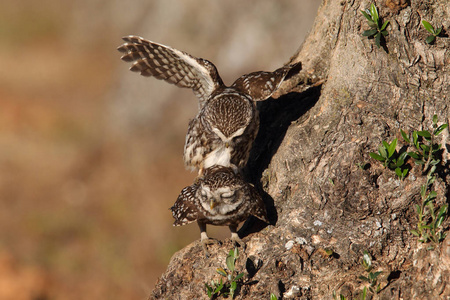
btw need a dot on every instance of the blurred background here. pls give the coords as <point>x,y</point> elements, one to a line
<point>91,153</point>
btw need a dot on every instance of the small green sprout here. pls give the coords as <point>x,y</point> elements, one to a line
<point>373,20</point>
<point>341,297</point>
<point>273,297</point>
<point>426,148</point>
<point>390,158</point>
<point>361,165</point>
<point>430,218</point>
<point>363,295</point>
<point>371,277</point>
<point>228,288</point>
<point>434,32</point>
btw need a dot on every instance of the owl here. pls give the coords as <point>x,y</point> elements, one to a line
<point>219,197</point>
<point>226,125</point>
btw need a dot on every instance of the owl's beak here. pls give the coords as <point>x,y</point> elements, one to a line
<point>227,144</point>
<point>212,203</point>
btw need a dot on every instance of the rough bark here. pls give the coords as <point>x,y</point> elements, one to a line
<point>349,97</point>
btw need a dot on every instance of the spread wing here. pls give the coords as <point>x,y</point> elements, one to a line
<point>261,85</point>
<point>174,66</point>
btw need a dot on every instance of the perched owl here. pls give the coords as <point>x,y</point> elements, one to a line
<point>226,125</point>
<point>219,197</point>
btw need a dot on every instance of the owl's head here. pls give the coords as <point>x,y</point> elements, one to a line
<point>220,192</point>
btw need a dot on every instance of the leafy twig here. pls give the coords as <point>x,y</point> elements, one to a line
<point>434,32</point>
<point>229,287</point>
<point>377,31</point>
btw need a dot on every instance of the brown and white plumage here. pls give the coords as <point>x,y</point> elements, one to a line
<point>223,131</point>
<point>219,197</point>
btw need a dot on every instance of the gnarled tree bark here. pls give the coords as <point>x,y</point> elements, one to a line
<point>349,97</point>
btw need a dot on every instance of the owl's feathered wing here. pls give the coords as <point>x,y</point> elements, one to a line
<point>185,209</point>
<point>258,206</point>
<point>261,85</point>
<point>172,65</point>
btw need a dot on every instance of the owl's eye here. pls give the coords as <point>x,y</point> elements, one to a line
<point>203,194</point>
<point>227,195</point>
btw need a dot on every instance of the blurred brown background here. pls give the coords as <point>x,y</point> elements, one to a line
<point>91,153</point>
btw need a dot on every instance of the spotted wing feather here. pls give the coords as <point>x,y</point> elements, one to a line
<point>172,65</point>
<point>185,209</point>
<point>261,85</point>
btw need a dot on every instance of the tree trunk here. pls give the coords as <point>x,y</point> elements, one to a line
<point>328,200</point>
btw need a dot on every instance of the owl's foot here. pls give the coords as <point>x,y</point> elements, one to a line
<point>208,241</point>
<point>237,240</point>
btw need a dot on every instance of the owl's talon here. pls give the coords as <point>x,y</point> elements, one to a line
<point>209,241</point>
<point>238,241</point>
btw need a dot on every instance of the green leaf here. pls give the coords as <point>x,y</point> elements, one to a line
<point>425,148</point>
<point>369,32</point>
<point>435,119</point>
<point>372,25</point>
<point>405,172</point>
<point>273,297</point>
<point>419,210</point>
<point>428,26</point>
<point>376,156</point>
<point>231,253</point>
<point>378,40</point>
<point>208,291</point>
<point>239,276</point>
<point>423,190</point>
<point>383,151</point>
<point>374,13</point>
<point>424,133</point>
<point>399,173</point>
<point>391,147</point>
<point>230,262</point>
<point>443,210</point>
<point>431,196</point>
<point>427,201</point>
<point>384,33</point>
<point>430,178</point>
<point>440,129</point>
<point>438,31</point>
<point>414,155</point>
<point>402,156</point>
<point>439,221</point>
<point>414,232</point>
<point>368,17</point>
<point>405,136</point>
<point>233,286</point>
<point>364,293</point>
<point>364,278</point>
<point>435,162</point>
<point>384,25</point>
<point>415,139</point>
<point>221,272</point>
<point>219,287</point>
<point>376,274</point>
<point>430,39</point>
